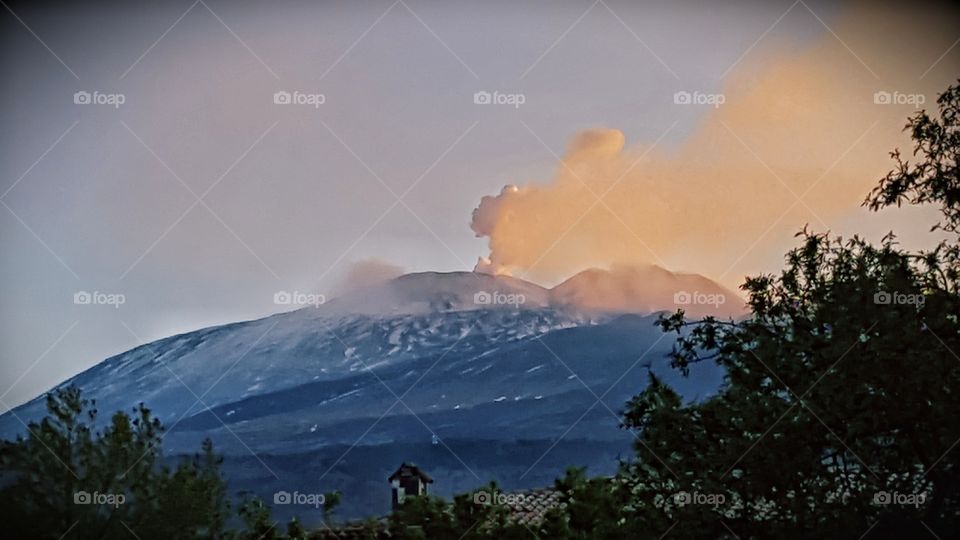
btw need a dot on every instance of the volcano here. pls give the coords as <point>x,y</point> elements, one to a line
<point>474,377</point>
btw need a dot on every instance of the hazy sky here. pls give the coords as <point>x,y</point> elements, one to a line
<point>99,197</point>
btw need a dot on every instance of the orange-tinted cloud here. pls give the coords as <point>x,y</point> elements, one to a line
<point>804,124</point>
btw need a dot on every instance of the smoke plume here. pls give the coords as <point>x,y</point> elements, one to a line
<point>368,272</point>
<point>805,124</point>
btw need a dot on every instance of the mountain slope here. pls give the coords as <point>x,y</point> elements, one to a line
<point>420,369</point>
<point>646,289</point>
<point>431,292</point>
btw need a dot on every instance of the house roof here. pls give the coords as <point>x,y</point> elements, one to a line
<point>358,530</point>
<point>407,470</point>
<point>531,506</point>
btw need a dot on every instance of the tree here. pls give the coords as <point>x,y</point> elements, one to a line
<point>422,517</point>
<point>469,517</point>
<point>838,413</point>
<point>257,520</point>
<point>66,478</point>
<point>330,502</point>
<point>934,178</point>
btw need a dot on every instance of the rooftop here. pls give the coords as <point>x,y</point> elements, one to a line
<point>407,470</point>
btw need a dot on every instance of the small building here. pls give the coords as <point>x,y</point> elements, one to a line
<point>408,480</point>
<point>525,507</point>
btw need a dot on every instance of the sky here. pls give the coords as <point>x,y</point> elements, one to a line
<point>184,189</point>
